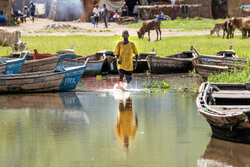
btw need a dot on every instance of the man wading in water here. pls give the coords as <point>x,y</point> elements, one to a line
<point>124,54</point>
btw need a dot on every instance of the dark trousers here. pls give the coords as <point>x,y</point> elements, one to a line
<point>128,75</point>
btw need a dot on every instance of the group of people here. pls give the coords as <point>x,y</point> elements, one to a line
<point>97,13</point>
<point>104,12</point>
<point>20,16</point>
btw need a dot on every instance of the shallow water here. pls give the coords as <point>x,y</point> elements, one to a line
<point>110,128</point>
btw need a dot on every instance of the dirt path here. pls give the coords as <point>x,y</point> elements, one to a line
<point>39,29</point>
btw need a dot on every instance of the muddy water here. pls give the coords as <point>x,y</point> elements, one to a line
<point>93,128</point>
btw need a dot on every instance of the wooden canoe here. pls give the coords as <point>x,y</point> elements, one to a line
<point>60,79</point>
<point>227,57</point>
<point>40,62</point>
<point>227,109</point>
<point>95,64</point>
<point>206,69</point>
<point>142,63</point>
<point>12,66</point>
<point>181,62</point>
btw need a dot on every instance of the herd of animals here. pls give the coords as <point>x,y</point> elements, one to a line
<point>229,26</point>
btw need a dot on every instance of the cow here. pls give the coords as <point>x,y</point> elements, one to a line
<point>150,25</point>
<point>217,27</point>
<point>229,27</point>
<point>243,24</point>
<point>226,26</point>
<point>12,39</point>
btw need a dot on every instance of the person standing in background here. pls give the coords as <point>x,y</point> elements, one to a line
<point>25,14</point>
<point>105,15</point>
<point>124,9</point>
<point>96,12</point>
<point>32,11</point>
<point>136,10</point>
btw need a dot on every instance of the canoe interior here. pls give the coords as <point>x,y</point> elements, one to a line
<point>227,53</point>
<point>184,55</point>
<point>230,95</point>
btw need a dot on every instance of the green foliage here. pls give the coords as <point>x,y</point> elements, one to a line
<point>99,77</point>
<point>234,76</point>
<point>188,24</point>
<point>155,84</point>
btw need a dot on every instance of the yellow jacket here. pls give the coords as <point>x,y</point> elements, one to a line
<point>125,54</point>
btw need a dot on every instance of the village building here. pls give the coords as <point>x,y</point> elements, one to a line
<point>68,10</point>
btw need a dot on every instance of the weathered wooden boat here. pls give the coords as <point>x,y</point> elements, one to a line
<point>220,153</point>
<point>227,109</point>
<point>95,64</point>
<point>206,69</point>
<point>142,63</point>
<point>60,79</point>
<point>227,57</point>
<point>40,62</point>
<point>110,64</point>
<point>12,66</point>
<point>181,62</point>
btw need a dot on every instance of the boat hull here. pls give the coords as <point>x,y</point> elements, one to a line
<point>46,81</point>
<point>237,133</point>
<point>160,65</point>
<point>226,109</point>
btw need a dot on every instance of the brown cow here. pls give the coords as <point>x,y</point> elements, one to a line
<point>150,25</point>
<point>243,24</point>
<point>226,26</point>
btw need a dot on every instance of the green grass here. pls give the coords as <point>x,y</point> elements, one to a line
<point>232,77</point>
<point>191,24</point>
<point>85,45</point>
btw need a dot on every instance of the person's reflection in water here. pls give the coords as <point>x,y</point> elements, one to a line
<point>126,128</point>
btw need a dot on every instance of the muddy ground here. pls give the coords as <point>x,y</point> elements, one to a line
<point>42,27</point>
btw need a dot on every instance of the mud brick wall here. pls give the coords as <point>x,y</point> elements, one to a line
<point>234,9</point>
<point>205,10</point>
<point>196,8</point>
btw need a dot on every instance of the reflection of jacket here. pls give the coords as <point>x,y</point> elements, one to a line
<point>125,128</point>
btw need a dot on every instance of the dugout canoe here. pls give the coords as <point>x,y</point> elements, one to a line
<point>227,58</point>
<point>142,63</point>
<point>206,69</point>
<point>12,66</point>
<point>41,62</point>
<point>95,64</point>
<point>227,109</point>
<point>177,63</point>
<point>60,79</point>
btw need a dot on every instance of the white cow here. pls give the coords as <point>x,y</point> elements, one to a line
<point>12,39</point>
